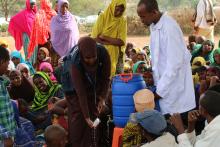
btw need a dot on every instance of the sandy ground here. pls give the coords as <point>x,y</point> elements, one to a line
<point>139,41</point>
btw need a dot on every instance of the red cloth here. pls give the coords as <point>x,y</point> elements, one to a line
<point>22,23</point>
<point>41,26</point>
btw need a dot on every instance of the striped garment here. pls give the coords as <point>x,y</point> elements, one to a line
<point>7,119</point>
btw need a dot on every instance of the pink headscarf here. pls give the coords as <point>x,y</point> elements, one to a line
<point>46,65</point>
<point>64,31</point>
<point>22,23</point>
<point>41,26</point>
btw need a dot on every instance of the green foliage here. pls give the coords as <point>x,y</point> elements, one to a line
<point>4,28</point>
<point>86,7</point>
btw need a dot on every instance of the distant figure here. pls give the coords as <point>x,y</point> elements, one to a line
<point>20,27</point>
<point>205,19</point>
<point>41,27</point>
<point>110,30</point>
<point>64,29</point>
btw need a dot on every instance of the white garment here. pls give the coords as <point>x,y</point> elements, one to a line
<point>210,136</point>
<point>171,67</point>
<point>203,7</point>
<point>167,140</point>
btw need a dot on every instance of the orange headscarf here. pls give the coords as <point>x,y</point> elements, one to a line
<point>41,27</point>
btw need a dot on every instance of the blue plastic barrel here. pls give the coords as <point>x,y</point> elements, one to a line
<point>124,87</point>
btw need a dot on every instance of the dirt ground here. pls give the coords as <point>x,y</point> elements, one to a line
<point>139,41</point>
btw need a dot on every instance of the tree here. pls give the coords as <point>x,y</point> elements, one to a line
<point>7,6</point>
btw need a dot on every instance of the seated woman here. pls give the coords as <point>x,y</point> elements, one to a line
<point>17,58</point>
<point>25,70</point>
<point>20,87</point>
<point>140,67</point>
<point>42,56</point>
<point>48,69</point>
<point>44,91</point>
<point>205,51</point>
<point>216,56</point>
<point>211,74</point>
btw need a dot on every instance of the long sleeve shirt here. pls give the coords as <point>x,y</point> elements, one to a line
<point>209,137</point>
<point>7,118</point>
<point>171,67</point>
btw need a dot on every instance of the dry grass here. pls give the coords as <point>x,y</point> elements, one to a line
<point>139,41</point>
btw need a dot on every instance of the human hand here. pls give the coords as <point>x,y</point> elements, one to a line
<point>214,80</point>
<point>101,106</point>
<point>102,37</point>
<point>156,96</point>
<point>53,100</point>
<point>192,119</point>
<point>66,111</point>
<point>8,142</point>
<point>89,122</point>
<point>176,120</point>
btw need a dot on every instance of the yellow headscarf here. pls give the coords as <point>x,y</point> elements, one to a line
<point>198,59</point>
<point>3,43</point>
<point>109,25</point>
<point>114,27</point>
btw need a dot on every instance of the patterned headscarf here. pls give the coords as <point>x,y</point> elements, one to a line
<point>41,98</point>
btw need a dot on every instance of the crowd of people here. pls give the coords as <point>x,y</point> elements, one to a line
<point>54,95</point>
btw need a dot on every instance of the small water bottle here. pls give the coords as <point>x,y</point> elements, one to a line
<point>96,122</point>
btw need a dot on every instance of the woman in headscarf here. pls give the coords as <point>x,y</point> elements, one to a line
<point>20,87</point>
<point>140,67</point>
<point>42,56</point>
<point>48,69</point>
<point>198,62</point>
<point>205,51</point>
<point>91,78</point>
<point>20,27</point>
<point>216,56</point>
<point>64,29</point>
<point>111,31</point>
<point>41,26</point>
<point>17,58</point>
<point>44,90</point>
<point>25,71</point>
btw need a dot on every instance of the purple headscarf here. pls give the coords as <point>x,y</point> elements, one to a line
<point>64,31</point>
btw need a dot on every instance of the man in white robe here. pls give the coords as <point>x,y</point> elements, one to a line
<point>170,60</point>
<point>210,110</point>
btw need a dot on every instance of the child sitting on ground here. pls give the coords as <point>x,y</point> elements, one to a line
<point>148,78</point>
<point>55,136</point>
<point>59,109</point>
<point>48,69</point>
<point>42,56</point>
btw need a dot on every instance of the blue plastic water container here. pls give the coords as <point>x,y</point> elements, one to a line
<point>124,87</point>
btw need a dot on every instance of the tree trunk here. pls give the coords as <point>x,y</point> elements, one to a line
<point>6,15</point>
